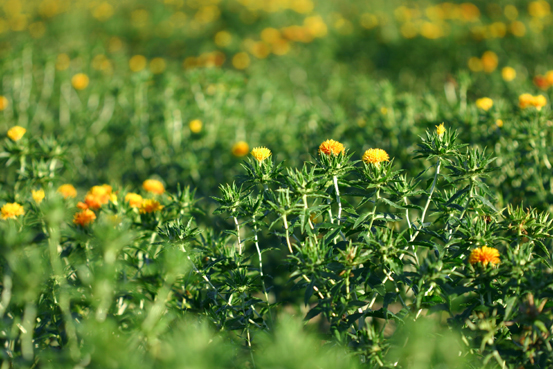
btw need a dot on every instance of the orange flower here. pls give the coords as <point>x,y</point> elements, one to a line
<point>4,102</point>
<point>149,206</point>
<point>67,190</point>
<point>154,186</point>
<point>12,210</point>
<point>331,147</point>
<point>80,81</point>
<point>240,148</point>
<point>98,196</point>
<point>527,100</point>
<point>134,200</point>
<point>484,255</point>
<point>375,156</point>
<point>84,217</point>
<point>16,133</point>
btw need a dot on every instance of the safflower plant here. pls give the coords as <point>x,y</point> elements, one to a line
<point>376,258</point>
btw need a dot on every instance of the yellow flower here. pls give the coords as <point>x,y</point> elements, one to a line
<point>375,156</point>
<point>195,126</point>
<point>261,153</point>
<point>84,218</point>
<point>484,103</point>
<point>80,81</point>
<point>38,195</point>
<point>508,74</point>
<point>12,210</point>
<point>137,63</point>
<point>157,65</point>
<point>154,186</point>
<point>3,102</point>
<point>16,133</point>
<point>331,147</point>
<point>149,206</point>
<point>484,255</point>
<point>134,200</point>
<point>241,60</point>
<point>489,61</point>
<point>527,100</point>
<point>240,148</point>
<point>67,190</point>
<point>440,130</point>
<point>499,123</point>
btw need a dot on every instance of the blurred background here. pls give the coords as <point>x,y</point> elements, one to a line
<point>184,89</point>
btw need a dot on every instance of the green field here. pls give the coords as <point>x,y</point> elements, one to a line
<point>276,184</point>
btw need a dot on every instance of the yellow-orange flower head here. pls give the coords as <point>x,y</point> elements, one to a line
<point>154,186</point>
<point>98,196</point>
<point>331,147</point>
<point>375,156</point>
<point>195,126</point>
<point>16,133</point>
<point>134,200</point>
<point>80,81</point>
<point>38,195</point>
<point>261,153</point>
<point>149,206</point>
<point>4,102</point>
<point>12,210</point>
<point>484,255</point>
<point>440,130</point>
<point>240,149</point>
<point>527,100</point>
<point>67,190</point>
<point>484,103</point>
<point>84,218</point>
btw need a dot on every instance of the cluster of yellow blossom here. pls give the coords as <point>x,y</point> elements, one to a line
<point>12,210</point>
<point>484,103</point>
<point>38,195</point>
<point>487,63</point>
<point>16,133</point>
<point>97,196</point>
<point>484,255</point>
<point>261,153</point>
<point>331,147</point>
<point>528,100</point>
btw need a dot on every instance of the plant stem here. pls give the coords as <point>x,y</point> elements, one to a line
<point>238,236</point>
<point>428,201</point>
<point>287,233</point>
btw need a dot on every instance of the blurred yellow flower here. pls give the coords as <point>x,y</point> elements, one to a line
<point>270,35</point>
<point>440,130</point>
<point>484,255</point>
<point>508,74</point>
<point>103,12</point>
<point>375,156</point>
<point>316,26</point>
<point>260,153</point>
<point>154,186</point>
<point>517,28</point>
<point>241,60</point>
<point>331,147</point>
<point>98,196</point>
<point>84,218</point>
<point>195,125</point>
<point>149,206</point>
<point>16,133</point>
<point>12,210</point>
<point>223,38</point>
<point>528,100</point>
<point>62,62</point>
<point>137,63</point>
<point>38,195</point>
<point>484,103</point>
<point>240,149</point>
<point>80,81</point>
<point>4,102</point>
<point>157,65</point>
<point>499,123</point>
<point>67,190</point>
<point>475,64</point>
<point>134,200</point>
<point>489,61</point>
<point>539,9</point>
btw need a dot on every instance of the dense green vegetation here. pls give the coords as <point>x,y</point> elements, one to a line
<point>277,183</point>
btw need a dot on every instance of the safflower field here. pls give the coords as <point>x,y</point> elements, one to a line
<point>276,184</point>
